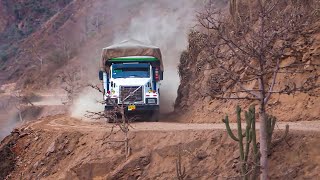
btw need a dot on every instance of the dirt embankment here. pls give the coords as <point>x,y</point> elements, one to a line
<point>60,147</point>
<point>195,104</point>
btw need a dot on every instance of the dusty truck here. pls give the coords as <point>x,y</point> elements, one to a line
<point>131,72</point>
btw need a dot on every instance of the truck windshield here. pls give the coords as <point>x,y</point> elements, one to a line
<point>131,71</point>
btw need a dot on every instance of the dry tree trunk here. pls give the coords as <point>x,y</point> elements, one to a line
<point>125,130</point>
<point>263,145</point>
<point>262,89</point>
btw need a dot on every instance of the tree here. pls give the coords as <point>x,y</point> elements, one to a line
<point>71,83</point>
<point>247,51</point>
<point>92,25</point>
<point>123,123</point>
<point>35,54</point>
<point>19,102</point>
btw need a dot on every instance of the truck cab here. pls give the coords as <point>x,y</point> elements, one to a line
<point>132,81</point>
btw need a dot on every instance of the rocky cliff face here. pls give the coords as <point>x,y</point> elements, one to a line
<point>195,104</point>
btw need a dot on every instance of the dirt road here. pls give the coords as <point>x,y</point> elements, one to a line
<point>51,104</point>
<point>65,123</point>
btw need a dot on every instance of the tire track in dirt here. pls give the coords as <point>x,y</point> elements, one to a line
<point>65,123</point>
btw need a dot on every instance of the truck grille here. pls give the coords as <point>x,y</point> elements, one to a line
<point>131,94</point>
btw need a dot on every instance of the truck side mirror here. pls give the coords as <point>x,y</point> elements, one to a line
<point>100,75</point>
<point>161,75</point>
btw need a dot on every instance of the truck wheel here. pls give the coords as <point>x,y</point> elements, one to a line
<point>155,116</point>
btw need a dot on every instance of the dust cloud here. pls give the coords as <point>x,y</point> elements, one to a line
<point>162,23</point>
<point>7,123</point>
<point>88,101</point>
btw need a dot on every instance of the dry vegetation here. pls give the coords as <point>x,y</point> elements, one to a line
<point>258,54</point>
<point>244,54</point>
<point>220,63</point>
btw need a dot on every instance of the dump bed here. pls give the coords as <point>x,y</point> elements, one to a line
<point>130,48</point>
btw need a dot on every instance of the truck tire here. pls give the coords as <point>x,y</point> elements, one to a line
<point>155,116</point>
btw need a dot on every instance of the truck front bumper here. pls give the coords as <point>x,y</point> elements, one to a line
<point>138,107</point>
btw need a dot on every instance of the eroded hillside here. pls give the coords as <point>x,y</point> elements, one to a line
<point>201,79</point>
<point>60,147</point>
<point>20,19</point>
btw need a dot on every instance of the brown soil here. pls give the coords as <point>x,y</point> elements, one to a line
<point>196,105</point>
<point>60,147</point>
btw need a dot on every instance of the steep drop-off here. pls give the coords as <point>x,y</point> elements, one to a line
<point>59,147</point>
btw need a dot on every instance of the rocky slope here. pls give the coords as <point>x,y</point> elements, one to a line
<point>197,81</point>
<point>19,20</point>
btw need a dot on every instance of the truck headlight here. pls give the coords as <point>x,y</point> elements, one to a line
<point>151,101</point>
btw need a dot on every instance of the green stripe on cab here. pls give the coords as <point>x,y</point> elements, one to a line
<point>133,59</point>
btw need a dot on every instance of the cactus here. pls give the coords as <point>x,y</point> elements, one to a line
<point>249,135</point>
<point>252,116</point>
<point>181,172</point>
<point>270,124</point>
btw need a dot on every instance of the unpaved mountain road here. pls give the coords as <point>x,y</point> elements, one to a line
<point>63,147</point>
<point>65,123</point>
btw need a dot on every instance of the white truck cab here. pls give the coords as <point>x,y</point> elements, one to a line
<point>131,76</point>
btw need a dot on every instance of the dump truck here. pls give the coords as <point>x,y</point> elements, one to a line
<point>131,72</point>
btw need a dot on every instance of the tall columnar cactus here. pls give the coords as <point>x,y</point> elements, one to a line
<point>251,115</point>
<point>249,135</point>
<point>270,124</point>
<point>181,171</point>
